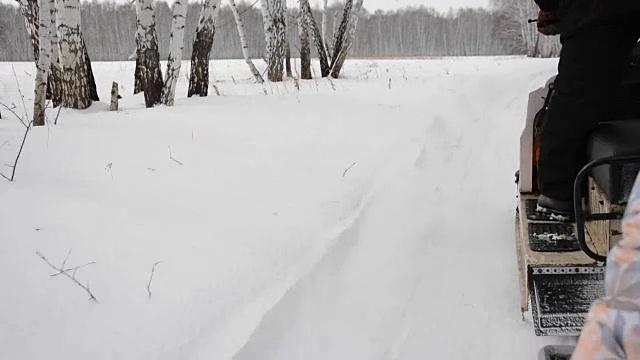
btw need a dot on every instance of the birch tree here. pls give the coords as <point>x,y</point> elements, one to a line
<point>199,79</point>
<point>174,62</point>
<point>31,14</point>
<point>275,35</point>
<point>324,25</point>
<point>405,32</point>
<point>345,36</point>
<point>54,80</point>
<point>269,34</point>
<point>305,8</point>
<point>342,30</point>
<point>334,32</point>
<point>287,46</point>
<point>44,61</point>
<point>76,92</point>
<point>243,42</point>
<point>148,76</point>
<point>305,51</point>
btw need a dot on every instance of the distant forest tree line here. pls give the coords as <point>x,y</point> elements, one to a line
<point>109,31</point>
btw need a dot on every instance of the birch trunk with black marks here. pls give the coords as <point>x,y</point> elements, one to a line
<point>44,62</point>
<point>243,42</point>
<point>342,30</point>
<point>93,89</point>
<point>76,90</point>
<point>265,7</point>
<point>288,60</point>
<point>346,35</point>
<point>148,76</point>
<point>54,87</point>
<point>199,79</point>
<point>175,52</point>
<point>287,46</point>
<point>334,32</point>
<point>305,8</point>
<point>305,51</point>
<point>275,34</point>
<point>324,25</point>
<point>31,14</point>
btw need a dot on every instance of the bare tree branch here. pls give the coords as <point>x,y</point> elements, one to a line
<point>349,168</point>
<point>333,86</point>
<point>71,277</point>
<point>12,110</point>
<point>172,158</point>
<point>153,270</point>
<point>57,115</point>
<point>26,112</point>
<point>15,163</point>
<point>65,259</point>
<point>74,269</point>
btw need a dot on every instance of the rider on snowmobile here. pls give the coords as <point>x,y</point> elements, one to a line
<point>597,39</point>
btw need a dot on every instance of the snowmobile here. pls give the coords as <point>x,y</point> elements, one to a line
<point>561,261</point>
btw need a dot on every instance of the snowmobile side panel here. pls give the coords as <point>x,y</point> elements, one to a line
<point>522,273</point>
<point>537,100</point>
<point>604,235</point>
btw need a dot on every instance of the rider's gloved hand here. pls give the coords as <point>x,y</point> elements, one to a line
<point>548,22</point>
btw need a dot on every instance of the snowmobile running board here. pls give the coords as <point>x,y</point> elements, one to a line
<point>558,281</point>
<point>562,296</point>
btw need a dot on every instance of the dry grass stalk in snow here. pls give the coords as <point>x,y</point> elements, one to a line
<point>24,121</point>
<point>153,270</point>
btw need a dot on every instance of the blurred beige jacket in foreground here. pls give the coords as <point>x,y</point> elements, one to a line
<point>613,327</point>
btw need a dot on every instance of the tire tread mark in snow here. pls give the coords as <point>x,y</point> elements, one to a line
<point>335,245</point>
<point>394,352</point>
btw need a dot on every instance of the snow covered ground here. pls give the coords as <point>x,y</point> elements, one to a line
<point>364,218</point>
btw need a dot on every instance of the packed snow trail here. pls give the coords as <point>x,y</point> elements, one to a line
<point>371,220</point>
<point>428,271</point>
